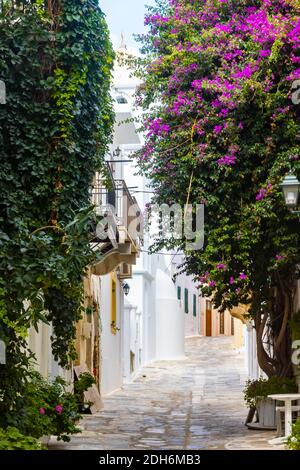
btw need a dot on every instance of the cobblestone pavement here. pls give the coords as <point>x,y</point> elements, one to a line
<point>196,403</point>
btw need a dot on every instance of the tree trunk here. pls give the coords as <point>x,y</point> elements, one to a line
<point>276,358</point>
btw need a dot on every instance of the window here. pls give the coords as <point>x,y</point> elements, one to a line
<point>194,305</point>
<point>178,292</point>
<point>186,300</point>
<point>222,326</point>
<point>121,99</point>
<point>113,303</point>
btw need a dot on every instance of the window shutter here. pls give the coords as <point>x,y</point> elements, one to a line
<point>178,292</point>
<point>186,300</point>
<point>194,305</point>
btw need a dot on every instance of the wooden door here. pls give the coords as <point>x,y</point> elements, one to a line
<point>222,323</point>
<point>208,319</point>
<point>232,326</point>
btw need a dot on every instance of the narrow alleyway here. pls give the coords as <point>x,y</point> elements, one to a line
<point>196,403</point>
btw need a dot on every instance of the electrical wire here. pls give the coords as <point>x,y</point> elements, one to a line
<point>161,253</point>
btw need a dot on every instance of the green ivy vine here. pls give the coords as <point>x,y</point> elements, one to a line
<point>56,60</point>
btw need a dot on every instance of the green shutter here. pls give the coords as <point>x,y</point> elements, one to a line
<point>178,292</point>
<point>186,300</point>
<point>194,305</point>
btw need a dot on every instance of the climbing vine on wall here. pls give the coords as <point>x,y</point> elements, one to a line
<point>56,60</point>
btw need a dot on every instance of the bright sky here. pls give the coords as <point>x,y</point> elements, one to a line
<point>125,16</point>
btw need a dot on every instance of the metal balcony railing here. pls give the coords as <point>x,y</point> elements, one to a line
<point>104,193</point>
<point>117,201</point>
<point>126,202</point>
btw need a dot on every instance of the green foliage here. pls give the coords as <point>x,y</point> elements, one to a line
<point>84,382</point>
<point>56,61</point>
<point>46,408</point>
<point>263,387</point>
<point>12,439</point>
<point>293,441</point>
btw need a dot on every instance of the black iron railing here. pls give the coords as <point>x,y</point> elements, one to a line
<point>103,190</point>
<point>113,196</point>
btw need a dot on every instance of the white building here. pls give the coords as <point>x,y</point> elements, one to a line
<point>150,322</point>
<point>189,298</point>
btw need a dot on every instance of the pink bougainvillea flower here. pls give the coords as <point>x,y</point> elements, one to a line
<point>212,284</point>
<point>42,411</point>
<point>228,160</point>
<point>264,192</point>
<point>243,276</point>
<point>221,266</point>
<point>204,278</point>
<point>231,280</point>
<point>218,129</point>
<point>265,53</point>
<point>261,194</point>
<point>59,409</point>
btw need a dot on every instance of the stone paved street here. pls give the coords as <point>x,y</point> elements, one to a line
<point>195,403</point>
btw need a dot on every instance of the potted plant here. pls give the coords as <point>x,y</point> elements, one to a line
<point>256,396</point>
<point>81,385</point>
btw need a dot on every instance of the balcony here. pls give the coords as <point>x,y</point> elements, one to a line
<point>118,232</point>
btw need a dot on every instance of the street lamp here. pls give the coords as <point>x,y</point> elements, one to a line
<point>290,187</point>
<point>2,357</point>
<point>117,152</point>
<point>126,288</point>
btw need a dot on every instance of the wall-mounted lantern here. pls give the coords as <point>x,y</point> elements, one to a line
<point>290,188</point>
<point>126,288</point>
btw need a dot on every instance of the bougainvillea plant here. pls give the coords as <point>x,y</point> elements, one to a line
<point>222,130</point>
<point>56,60</point>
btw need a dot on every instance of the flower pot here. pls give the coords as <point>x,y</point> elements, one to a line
<point>266,410</point>
<point>84,408</point>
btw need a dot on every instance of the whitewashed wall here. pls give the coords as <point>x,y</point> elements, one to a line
<point>40,344</point>
<point>111,345</point>
<point>192,324</point>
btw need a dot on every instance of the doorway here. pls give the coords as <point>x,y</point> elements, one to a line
<point>222,323</point>
<point>208,318</point>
